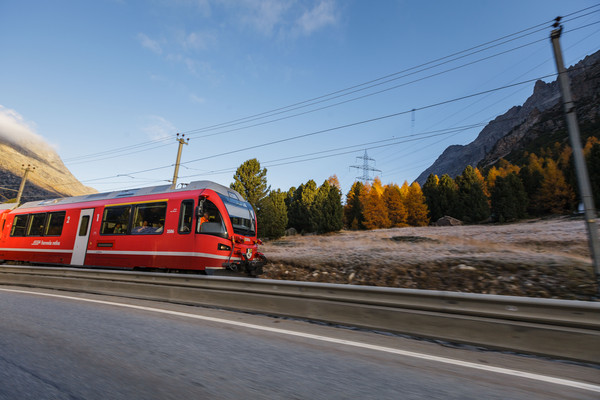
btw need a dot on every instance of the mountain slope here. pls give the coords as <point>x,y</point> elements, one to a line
<point>514,128</point>
<point>50,179</point>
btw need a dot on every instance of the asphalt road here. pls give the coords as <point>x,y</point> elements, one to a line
<point>59,345</point>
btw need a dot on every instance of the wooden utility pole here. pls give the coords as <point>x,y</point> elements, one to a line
<point>583,180</point>
<point>181,141</point>
<point>28,169</point>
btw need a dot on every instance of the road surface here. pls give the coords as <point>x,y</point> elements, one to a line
<point>61,345</point>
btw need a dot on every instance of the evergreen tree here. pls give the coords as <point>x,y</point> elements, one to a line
<point>353,211</point>
<point>431,191</point>
<point>395,205</point>
<point>327,208</point>
<point>593,164</point>
<point>296,217</point>
<point>251,181</point>
<point>301,208</point>
<point>473,204</point>
<point>272,219</point>
<point>416,206</point>
<point>289,198</point>
<point>448,196</point>
<point>509,199</point>
<point>532,181</point>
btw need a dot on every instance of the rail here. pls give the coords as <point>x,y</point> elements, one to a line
<point>561,329</point>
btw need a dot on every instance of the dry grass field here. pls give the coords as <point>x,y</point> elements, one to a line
<point>537,258</point>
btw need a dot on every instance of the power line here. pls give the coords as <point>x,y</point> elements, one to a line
<point>323,107</point>
<point>229,152</point>
<point>110,153</point>
<point>252,117</point>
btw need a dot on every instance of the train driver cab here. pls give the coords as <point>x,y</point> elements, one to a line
<point>209,219</point>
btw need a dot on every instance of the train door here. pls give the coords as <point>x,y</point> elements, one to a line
<point>82,235</point>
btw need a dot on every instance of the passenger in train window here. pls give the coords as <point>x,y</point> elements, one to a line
<point>160,227</point>
<point>142,229</point>
<point>118,229</point>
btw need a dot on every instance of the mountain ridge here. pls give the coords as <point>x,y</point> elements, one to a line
<point>50,178</point>
<point>508,131</point>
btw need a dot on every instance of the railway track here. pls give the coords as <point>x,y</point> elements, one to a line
<point>561,329</point>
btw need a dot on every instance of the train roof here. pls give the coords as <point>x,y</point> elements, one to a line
<point>7,206</point>
<point>197,185</point>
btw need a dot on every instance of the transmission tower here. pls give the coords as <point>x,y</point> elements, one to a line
<point>365,167</point>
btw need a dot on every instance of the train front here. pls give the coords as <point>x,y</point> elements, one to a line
<point>244,257</point>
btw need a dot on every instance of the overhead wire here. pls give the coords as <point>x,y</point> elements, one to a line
<point>331,105</point>
<point>110,153</point>
<point>357,123</point>
<point>337,92</point>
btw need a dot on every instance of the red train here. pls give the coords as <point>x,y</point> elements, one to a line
<point>202,227</point>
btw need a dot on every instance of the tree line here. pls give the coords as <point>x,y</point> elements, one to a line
<point>540,185</point>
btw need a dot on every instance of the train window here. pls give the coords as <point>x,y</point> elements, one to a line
<point>37,225</point>
<point>241,214</point>
<point>55,223</point>
<point>83,229</point>
<point>149,219</point>
<point>211,222</point>
<point>186,216</point>
<point>19,225</point>
<point>115,220</point>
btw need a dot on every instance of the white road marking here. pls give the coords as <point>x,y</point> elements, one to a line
<point>466,364</point>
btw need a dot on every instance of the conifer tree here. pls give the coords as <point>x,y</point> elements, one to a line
<point>431,191</point>
<point>532,177</point>
<point>251,182</point>
<point>509,199</point>
<point>395,205</point>
<point>473,204</point>
<point>328,207</point>
<point>481,180</point>
<point>374,209</point>
<point>273,218</point>
<point>416,206</point>
<point>503,169</point>
<point>593,164</point>
<point>448,195</point>
<point>300,209</point>
<point>555,196</point>
<point>334,181</point>
<point>353,211</point>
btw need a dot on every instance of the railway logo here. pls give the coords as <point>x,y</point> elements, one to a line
<point>47,243</point>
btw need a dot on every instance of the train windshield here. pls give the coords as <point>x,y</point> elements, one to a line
<point>241,214</point>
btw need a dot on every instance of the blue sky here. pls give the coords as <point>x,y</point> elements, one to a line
<point>108,83</point>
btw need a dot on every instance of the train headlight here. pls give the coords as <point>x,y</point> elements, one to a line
<point>224,247</point>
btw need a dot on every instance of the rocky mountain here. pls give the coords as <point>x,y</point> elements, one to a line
<point>519,126</point>
<point>50,179</point>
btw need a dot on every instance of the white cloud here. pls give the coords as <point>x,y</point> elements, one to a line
<point>150,44</point>
<point>15,130</point>
<point>322,15</point>
<point>198,40</point>
<point>263,15</point>
<point>157,127</point>
<point>197,99</point>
